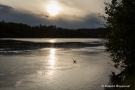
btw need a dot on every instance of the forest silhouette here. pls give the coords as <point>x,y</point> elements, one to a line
<point>20,30</point>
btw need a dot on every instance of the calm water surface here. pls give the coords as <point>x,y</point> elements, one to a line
<point>47,64</point>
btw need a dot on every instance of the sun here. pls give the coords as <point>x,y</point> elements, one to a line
<point>53,8</point>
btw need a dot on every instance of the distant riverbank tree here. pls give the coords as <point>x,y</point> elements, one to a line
<point>120,42</point>
<point>19,30</point>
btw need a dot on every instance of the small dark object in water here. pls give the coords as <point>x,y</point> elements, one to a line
<point>74,61</point>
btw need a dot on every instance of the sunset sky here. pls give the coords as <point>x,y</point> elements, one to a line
<point>63,13</point>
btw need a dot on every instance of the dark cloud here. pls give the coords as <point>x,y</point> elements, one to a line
<point>92,21</point>
<point>46,16</point>
<point>5,8</point>
<point>89,21</point>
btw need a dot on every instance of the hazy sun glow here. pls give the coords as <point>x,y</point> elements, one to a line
<point>53,8</point>
<point>52,41</point>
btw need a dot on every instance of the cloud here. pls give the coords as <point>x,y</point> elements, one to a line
<point>5,8</point>
<point>43,15</point>
<point>75,22</point>
<point>65,21</point>
<point>93,21</point>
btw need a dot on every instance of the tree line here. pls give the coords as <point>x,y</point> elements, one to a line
<point>120,42</point>
<point>19,30</point>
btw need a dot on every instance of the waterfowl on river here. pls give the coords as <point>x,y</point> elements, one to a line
<point>74,61</point>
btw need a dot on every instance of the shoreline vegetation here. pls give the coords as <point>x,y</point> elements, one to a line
<point>120,42</point>
<point>19,30</point>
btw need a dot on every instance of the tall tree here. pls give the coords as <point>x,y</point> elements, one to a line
<point>120,42</point>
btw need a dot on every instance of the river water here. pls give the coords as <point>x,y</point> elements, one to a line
<point>47,64</point>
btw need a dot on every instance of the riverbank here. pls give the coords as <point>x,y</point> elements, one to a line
<point>121,82</point>
<point>130,80</point>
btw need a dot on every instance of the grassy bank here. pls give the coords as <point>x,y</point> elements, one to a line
<point>130,80</point>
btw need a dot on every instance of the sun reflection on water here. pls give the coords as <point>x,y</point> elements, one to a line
<point>52,41</point>
<point>52,56</point>
<point>51,61</point>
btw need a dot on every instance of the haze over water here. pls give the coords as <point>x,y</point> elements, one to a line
<point>47,64</point>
